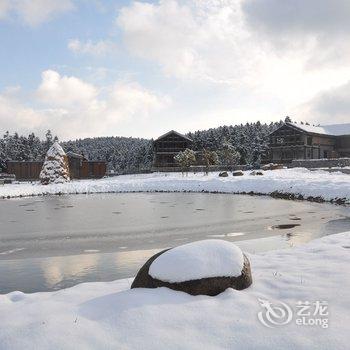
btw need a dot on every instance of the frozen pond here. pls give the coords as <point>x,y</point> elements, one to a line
<point>49,243</point>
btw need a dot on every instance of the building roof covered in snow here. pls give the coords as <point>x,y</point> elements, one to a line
<point>173,132</point>
<point>331,129</point>
<point>75,155</point>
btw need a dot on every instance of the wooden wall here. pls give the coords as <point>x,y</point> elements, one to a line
<point>93,170</point>
<point>24,170</point>
<point>31,170</point>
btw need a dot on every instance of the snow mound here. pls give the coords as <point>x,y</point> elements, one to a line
<point>202,259</point>
<point>109,315</point>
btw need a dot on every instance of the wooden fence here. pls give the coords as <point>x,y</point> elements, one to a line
<point>31,170</point>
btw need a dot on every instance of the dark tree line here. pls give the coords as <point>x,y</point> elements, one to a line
<point>24,148</point>
<point>121,153</point>
<point>132,154</point>
<point>251,140</point>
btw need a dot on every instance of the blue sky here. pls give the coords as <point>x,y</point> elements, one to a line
<point>96,68</point>
<point>30,49</point>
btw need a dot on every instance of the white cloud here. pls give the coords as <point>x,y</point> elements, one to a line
<point>65,91</point>
<point>97,48</point>
<point>13,115</point>
<point>34,12</point>
<point>299,17</point>
<point>130,100</point>
<point>319,27</point>
<point>152,32</point>
<point>223,61</point>
<point>200,40</point>
<point>5,6</point>
<point>327,107</point>
<point>209,42</point>
<point>74,108</point>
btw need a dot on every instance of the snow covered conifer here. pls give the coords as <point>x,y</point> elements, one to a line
<point>55,168</point>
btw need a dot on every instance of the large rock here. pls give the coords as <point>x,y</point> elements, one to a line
<point>237,173</point>
<point>208,271</point>
<point>223,174</point>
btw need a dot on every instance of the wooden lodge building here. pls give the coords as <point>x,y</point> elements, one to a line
<point>301,141</point>
<point>79,168</point>
<point>166,147</point>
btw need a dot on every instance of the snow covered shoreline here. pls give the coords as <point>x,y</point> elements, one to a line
<point>110,315</point>
<point>297,183</point>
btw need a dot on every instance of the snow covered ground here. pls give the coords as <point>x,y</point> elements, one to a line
<point>298,181</point>
<point>111,316</point>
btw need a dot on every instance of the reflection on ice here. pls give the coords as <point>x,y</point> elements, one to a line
<point>74,239</point>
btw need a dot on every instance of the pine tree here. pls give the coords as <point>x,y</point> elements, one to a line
<point>55,168</point>
<point>49,140</point>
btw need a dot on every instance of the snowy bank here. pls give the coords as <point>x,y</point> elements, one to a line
<point>111,316</point>
<point>298,182</point>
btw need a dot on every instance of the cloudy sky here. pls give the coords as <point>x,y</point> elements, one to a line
<point>139,68</point>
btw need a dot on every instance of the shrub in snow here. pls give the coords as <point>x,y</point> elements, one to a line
<point>229,156</point>
<point>55,168</point>
<point>185,159</point>
<point>209,158</point>
<point>205,267</point>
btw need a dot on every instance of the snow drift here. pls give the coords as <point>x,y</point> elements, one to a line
<point>297,181</point>
<point>111,316</point>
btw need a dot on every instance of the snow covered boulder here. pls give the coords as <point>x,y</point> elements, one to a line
<point>256,172</point>
<point>223,174</point>
<point>238,173</point>
<point>206,267</point>
<point>272,166</point>
<point>55,168</point>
